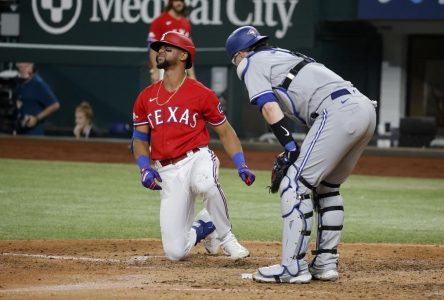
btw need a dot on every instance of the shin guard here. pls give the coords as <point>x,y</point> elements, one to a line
<point>297,213</point>
<point>330,211</point>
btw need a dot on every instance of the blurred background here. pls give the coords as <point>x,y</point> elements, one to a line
<point>95,51</point>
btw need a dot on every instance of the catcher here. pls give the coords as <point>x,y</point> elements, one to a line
<point>341,122</point>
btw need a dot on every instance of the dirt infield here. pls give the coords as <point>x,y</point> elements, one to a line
<point>137,269</point>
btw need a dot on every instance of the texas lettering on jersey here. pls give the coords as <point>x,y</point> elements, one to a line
<point>177,120</point>
<point>173,115</point>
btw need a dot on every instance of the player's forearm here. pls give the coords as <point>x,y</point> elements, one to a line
<point>229,140</point>
<point>231,145</point>
<point>140,148</point>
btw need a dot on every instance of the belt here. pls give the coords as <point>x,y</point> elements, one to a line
<point>333,96</point>
<point>175,160</point>
<point>339,93</point>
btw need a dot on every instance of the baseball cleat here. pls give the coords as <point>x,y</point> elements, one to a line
<point>212,243</point>
<point>232,248</point>
<point>280,274</point>
<point>325,275</point>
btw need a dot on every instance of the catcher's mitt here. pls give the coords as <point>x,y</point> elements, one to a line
<point>280,168</point>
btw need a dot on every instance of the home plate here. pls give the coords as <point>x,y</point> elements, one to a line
<point>247,275</point>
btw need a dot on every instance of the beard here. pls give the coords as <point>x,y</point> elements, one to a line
<point>163,65</point>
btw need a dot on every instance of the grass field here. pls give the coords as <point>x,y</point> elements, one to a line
<point>64,200</point>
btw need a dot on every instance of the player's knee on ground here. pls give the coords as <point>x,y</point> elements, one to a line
<point>176,250</point>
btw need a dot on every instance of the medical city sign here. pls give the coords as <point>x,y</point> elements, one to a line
<point>58,17</point>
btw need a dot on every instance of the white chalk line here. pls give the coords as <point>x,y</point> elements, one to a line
<point>70,287</point>
<point>132,260</point>
<point>102,286</point>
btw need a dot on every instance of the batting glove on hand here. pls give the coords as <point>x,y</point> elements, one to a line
<point>148,178</point>
<point>246,175</point>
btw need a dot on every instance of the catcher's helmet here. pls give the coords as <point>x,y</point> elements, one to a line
<point>242,38</point>
<point>177,40</point>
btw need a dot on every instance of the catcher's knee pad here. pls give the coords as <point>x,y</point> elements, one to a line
<point>291,181</point>
<point>297,214</point>
<point>330,210</point>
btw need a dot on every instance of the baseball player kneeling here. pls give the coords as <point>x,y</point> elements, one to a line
<point>341,122</point>
<point>169,119</point>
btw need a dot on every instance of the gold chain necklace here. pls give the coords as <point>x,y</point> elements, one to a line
<point>169,98</point>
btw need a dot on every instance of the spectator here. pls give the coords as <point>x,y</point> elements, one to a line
<point>172,19</point>
<point>36,100</point>
<point>84,126</point>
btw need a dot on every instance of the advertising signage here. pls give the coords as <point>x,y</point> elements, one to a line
<point>122,25</point>
<point>401,9</point>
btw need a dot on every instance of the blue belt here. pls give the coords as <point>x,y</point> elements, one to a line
<point>339,93</point>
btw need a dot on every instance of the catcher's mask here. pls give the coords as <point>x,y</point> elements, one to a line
<point>177,40</point>
<point>242,38</point>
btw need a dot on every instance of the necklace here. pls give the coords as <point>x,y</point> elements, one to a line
<point>169,98</point>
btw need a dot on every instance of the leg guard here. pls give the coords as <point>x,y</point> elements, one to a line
<point>330,210</point>
<point>297,214</point>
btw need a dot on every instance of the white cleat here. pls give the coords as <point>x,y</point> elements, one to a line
<point>325,275</point>
<point>279,274</point>
<point>212,243</point>
<point>232,248</point>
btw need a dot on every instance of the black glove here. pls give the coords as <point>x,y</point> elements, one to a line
<point>280,167</point>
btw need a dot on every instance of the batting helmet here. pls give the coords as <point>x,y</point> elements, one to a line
<point>242,38</point>
<point>177,40</point>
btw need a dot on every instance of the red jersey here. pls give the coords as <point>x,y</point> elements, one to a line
<point>165,22</point>
<point>177,120</point>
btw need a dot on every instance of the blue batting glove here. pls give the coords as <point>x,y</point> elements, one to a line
<point>246,175</point>
<point>149,177</point>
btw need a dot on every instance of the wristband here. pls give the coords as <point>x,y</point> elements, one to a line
<point>143,161</point>
<point>239,160</point>
<point>291,146</point>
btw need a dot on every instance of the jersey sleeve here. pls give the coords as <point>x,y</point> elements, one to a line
<point>139,113</point>
<point>212,110</point>
<point>258,81</point>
